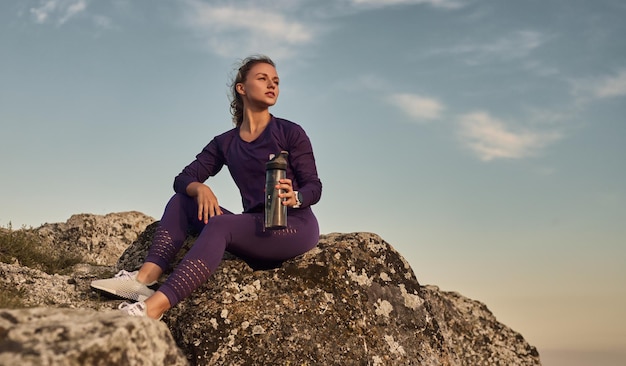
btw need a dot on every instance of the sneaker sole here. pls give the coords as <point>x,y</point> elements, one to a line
<point>112,293</point>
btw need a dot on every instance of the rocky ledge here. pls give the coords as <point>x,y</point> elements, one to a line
<point>353,300</point>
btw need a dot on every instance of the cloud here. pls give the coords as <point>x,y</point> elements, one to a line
<point>602,87</point>
<point>491,139</point>
<point>541,69</point>
<point>103,22</point>
<point>514,46</point>
<point>235,30</point>
<point>612,86</point>
<point>443,4</point>
<point>417,107</point>
<point>57,11</point>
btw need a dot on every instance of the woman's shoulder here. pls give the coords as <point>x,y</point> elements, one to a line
<point>226,136</point>
<point>283,121</point>
<point>289,134</point>
<point>221,142</point>
<point>287,125</point>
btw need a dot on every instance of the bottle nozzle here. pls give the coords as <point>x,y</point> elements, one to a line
<point>278,162</point>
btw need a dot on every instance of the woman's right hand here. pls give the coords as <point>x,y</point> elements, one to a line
<point>207,202</point>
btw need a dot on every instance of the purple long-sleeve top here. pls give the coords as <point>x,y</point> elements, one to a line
<point>246,163</point>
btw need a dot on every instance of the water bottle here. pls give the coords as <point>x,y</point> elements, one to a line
<point>275,211</point>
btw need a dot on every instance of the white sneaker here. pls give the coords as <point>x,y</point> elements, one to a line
<point>135,309</point>
<point>125,285</point>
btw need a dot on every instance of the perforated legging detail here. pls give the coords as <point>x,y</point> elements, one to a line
<point>163,246</point>
<point>172,231</point>
<point>243,235</point>
<point>188,276</point>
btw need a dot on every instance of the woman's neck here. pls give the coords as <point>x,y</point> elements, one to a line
<point>253,124</point>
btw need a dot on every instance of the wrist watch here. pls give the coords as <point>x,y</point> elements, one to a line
<point>298,197</point>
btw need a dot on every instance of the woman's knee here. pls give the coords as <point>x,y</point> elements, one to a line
<point>180,200</point>
<point>182,209</point>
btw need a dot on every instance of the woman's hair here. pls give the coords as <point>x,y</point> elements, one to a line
<point>236,102</point>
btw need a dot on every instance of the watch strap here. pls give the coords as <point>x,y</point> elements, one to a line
<point>298,199</point>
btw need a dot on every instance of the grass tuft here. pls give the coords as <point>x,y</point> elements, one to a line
<point>27,248</point>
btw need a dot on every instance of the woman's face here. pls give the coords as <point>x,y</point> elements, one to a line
<point>261,86</point>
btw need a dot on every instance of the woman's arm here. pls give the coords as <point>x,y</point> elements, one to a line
<point>302,162</point>
<point>207,201</point>
<point>191,180</point>
<point>207,164</point>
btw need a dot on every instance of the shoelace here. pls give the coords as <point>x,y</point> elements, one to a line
<point>132,276</point>
<point>135,309</point>
<point>124,273</point>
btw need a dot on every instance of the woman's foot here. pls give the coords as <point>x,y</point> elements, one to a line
<point>154,307</point>
<point>136,309</point>
<point>125,285</point>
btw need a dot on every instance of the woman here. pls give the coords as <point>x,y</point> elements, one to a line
<point>245,149</point>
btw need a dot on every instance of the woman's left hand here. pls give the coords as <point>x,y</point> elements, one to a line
<point>288,195</point>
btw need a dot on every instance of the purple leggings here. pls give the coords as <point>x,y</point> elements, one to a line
<point>240,234</point>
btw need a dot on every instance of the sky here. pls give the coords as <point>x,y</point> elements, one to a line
<point>485,140</point>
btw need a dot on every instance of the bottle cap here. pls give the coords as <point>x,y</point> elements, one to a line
<point>278,162</point>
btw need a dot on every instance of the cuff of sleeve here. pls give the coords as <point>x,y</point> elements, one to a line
<point>180,185</point>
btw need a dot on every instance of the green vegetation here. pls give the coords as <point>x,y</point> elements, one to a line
<point>27,248</point>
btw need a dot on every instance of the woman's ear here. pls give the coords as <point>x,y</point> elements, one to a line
<point>240,89</point>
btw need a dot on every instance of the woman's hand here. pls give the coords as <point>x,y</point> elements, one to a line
<point>207,202</point>
<point>288,195</point>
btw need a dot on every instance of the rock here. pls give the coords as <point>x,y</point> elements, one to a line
<point>45,336</point>
<point>38,288</point>
<point>99,239</point>
<point>478,338</point>
<point>351,301</point>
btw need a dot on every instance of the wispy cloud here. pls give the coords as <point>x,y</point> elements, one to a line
<point>540,68</point>
<point>235,30</point>
<point>601,87</point>
<point>490,138</point>
<point>513,46</point>
<point>444,4</point>
<point>57,11</point>
<point>417,107</point>
<point>103,22</point>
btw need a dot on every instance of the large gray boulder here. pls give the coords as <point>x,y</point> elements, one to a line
<point>37,288</point>
<point>45,336</point>
<point>99,239</point>
<point>353,300</point>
